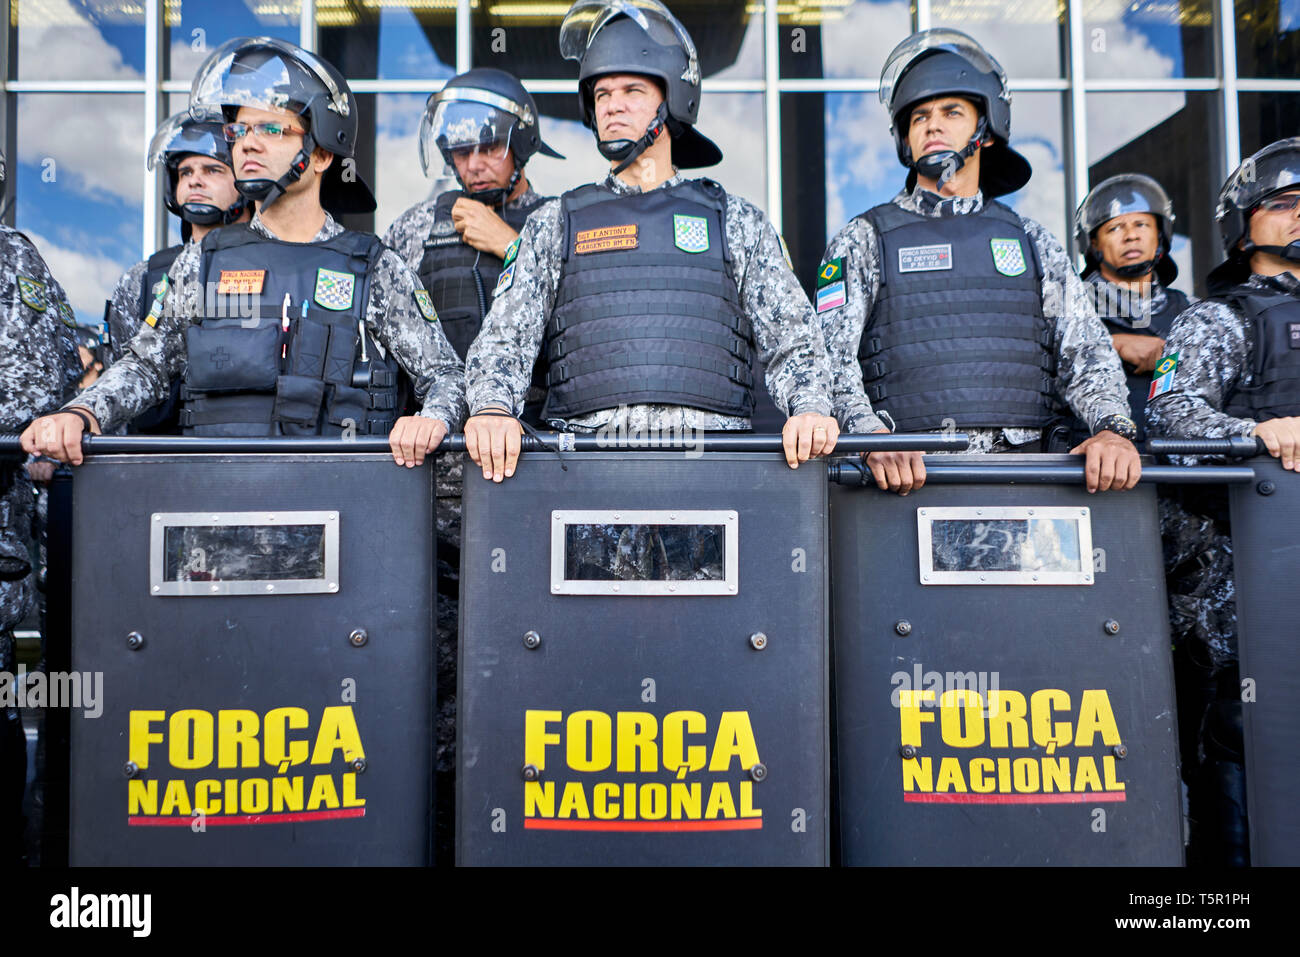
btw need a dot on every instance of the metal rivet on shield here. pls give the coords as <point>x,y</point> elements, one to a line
<point>1120,751</point>
<point>216,588</point>
<point>157,588</point>
<point>358,637</point>
<point>908,751</point>
<point>758,641</point>
<point>157,517</point>
<point>130,769</point>
<point>333,586</point>
<point>1111,627</point>
<point>359,765</point>
<point>135,641</point>
<point>531,773</point>
<point>758,772</point>
<point>531,640</point>
<point>903,627</point>
<point>1266,488</point>
<point>271,518</point>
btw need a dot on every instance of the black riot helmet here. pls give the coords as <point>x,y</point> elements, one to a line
<point>180,136</point>
<point>1118,196</point>
<point>484,109</point>
<point>639,37</point>
<point>265,73</point>
<point>944,62</point>
<point>1274,169</point>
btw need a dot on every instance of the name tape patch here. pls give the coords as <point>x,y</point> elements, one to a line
<point>605,239</point>
<point>241,281</point>
<point>925,258</point>
<point>1293,334</point>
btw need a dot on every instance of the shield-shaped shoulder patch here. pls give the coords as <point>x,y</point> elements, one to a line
<point>32,292</point>
<point>691,233</point>
<point>334,289</point>
<point>1008,256</point>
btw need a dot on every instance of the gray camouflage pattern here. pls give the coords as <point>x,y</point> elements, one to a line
<point>1121,308</point>
<point>124,309</point>
<point>156,355</point>
<point>1089,376</point>
<point>1202,593</point>
<point>500,362</point>
<point>1215,344</point>
<point>39,369</point>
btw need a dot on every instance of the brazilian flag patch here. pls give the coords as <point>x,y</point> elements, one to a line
<point>1162,379</point>
<point>511,252</point>
<point>424,302</point>
<point>832,270</point>
<point>32,292</point>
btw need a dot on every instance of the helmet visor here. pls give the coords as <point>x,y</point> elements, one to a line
<point>1119,195</point>
<point>286,77</point>
<point>182,134</point>
<point>1273,169</point>
<point>456,127</point>
<point>954,41</point>
<point>586,18</point>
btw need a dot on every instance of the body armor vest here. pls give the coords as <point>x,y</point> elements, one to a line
<point>957,332</point>
<point>1115,308</point>
<point>164,418</point>
<point>249,375</point>
<point>460,279</point>
<point>647,309</point>
<point>1274,315</point>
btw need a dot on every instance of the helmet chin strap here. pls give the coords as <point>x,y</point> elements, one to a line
<point>1290,252</point>
<point>628,150</point>
<point>205,214</point>
<point>496,196</point>
<point>267,191</point>
<point>944,164</point>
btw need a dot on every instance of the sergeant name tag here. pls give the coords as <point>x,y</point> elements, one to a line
<point>604,239</point>
<point>925,258</point>
<point>1293,334</point>
<point>241,281</point>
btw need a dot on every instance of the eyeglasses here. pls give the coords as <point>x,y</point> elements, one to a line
<point>1280,204</point>
<point>237,131</point>
<point>493,151</point>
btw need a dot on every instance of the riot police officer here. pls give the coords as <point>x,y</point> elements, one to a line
<point>290,324</point>
<point>200,190</point>
<point>1125,227</point>
<point>648,293</point>
<point>39,368</point>
<point>1231,368</point>
<point>945,309</point>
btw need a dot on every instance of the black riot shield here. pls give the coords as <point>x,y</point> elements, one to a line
<point>1266,556</point>
<point>1003,678</point>
<point>643,662</point>
<point>263,625</point>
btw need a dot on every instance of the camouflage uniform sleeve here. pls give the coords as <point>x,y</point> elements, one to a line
<point>499,365</point>
<point>406,236</point>
<point>154,356</point>
<point>395,319</point>
<point>1089,376</point>
<point>123,309</point>
<point>66,363</point>
<point>1213,347</point>
<point>858,250</point>
<point>785,327</point>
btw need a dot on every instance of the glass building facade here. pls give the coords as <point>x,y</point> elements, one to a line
<point>1177,89</point>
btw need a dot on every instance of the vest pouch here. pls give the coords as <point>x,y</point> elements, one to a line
<point>227,357</point>
<point>308,349</point>
<point>348,406</point>
<point>340,356</point>
<point>297,402</point>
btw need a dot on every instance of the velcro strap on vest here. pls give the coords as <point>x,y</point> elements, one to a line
<point>596,334</point>
<point>580,286</point>
<point>735,371</point>
<point>875,368</point>
<point>226,409</point>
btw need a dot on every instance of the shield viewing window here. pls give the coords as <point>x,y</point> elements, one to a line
<point>1004,546</point>
<point>671,552</point>
<point>243,553</point>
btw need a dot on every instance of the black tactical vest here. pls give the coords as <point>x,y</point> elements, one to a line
<point>1116,309</point>
<point>647,309</point>
<point>448,270</point>
<point>247,376</point>
<point>957,332</point>
<point>1274,314</point>
<point>164,418</point>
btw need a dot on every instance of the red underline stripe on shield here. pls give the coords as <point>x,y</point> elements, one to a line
<point>1082,797</point>
<point>147,820</point>
<point>551,824</point>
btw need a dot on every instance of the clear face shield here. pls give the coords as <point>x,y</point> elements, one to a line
<point>454,132</point>
<point>181,134</point>
<point>953,41</point>
<point>262,73</point>
<point>586,18</point>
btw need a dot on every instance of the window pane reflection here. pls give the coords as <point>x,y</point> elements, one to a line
<point>194,28</point>
<point>1036,133</point>
<point>838,39</point>
<point>1148,39</point>
<point>77,189</point>
<point>1268,38</point>
<point>1164,135</point>
<point>1266,118</point>
<point>1025,36</point>
<point>379,39</point>
<point>77,40</point>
